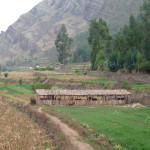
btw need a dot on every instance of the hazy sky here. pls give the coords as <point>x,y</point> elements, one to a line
<point>10,10</point>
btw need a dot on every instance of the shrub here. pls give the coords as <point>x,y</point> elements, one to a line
<point>106,86</point>
<point>20,82</point>
<point>32,101</point>
<point>5,75</point>
<point>41,86</point>
<point>125,85</point>
<point>44,69</point>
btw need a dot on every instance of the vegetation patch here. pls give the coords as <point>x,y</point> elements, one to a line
<point>97,80</point>
<point>118,124</point>
<point>17,131</point>
<point>17,89</point>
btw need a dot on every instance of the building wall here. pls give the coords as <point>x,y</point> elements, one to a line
<point>81,100</point>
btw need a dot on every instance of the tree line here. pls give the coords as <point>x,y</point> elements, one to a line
<point>128,49</point>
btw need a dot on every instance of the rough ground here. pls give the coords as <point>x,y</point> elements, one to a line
<point>74,137</point>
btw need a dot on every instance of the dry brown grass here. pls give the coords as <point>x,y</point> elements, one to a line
<point>20,75</point>
<point>19,132</point>
<point>71,77</point>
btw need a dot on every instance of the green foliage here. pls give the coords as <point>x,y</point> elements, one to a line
<point>125,85</point>
<point>145,66</point>
<point>77,71</point>
<point>19,90</point>
<point>131,46</point>
<point>44,69</point>
<point>127,129</point>
<point>63,45</point>
<point>32,101</point>
<point>98,33</point>
<point>98,80</point>
<point>82,53</point>
<point>41,86</point>
<point>100,59</point>
<point>130,62</point>
<point>83,50</point>
<point>20,82</point>
<point>6,75</point>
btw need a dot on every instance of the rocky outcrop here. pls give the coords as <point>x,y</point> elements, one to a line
<point>37,29</point>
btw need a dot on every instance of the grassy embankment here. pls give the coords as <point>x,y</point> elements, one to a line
<point>138,86</point>
<point>125,128</point>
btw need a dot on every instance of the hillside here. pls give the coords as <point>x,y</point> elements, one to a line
<point>33,34</point>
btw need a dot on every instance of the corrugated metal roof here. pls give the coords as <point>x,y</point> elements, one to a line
<point>82,92</point>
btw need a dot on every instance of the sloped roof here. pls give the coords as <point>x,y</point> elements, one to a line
<point>82,92</point>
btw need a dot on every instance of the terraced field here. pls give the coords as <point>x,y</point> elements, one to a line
<point>15,89</point>
<point>128,127</point>
<point>19,132</point>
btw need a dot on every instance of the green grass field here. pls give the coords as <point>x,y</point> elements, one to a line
<point>141,86</point>
<point>21,89</point>
<point>135,86</point>
<point>124,126</point>
<point>98,80</point>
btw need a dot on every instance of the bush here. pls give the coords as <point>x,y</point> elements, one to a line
<point>32,101</point>
<point>77,71</point>
<point>20,82</point>
<point>125,85</point>
<point>41,86</point>
<point>106,86</point>
<point>5,75</point>
<point>44,69</point>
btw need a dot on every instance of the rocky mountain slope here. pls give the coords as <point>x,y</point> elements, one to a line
<point>35,32</point>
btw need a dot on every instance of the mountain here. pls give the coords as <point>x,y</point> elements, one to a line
<point>32,36</point>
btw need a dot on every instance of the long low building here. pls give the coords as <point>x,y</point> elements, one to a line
<point>82,97</point>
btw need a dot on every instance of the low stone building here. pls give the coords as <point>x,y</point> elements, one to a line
<point>82,97</point>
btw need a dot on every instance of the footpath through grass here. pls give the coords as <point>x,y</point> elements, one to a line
<point>125,126</point>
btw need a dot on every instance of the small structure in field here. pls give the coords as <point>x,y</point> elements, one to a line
<point>82,97</point>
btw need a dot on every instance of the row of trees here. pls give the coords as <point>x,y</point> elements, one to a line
<point>129,48</point>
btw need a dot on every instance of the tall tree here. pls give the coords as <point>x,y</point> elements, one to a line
<point>145,15</point>
<point>63,45</point>
<point>98,32</point>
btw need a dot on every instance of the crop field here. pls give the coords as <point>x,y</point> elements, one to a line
<point>135,85</point>
<point>24,89</point>
<point>15,89</point>
<point>129,127</point>
<point>18,132</point>
<point>97,80</point>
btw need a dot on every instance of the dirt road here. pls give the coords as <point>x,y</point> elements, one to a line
<point>74,137</point>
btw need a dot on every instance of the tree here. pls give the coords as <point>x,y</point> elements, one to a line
<point>139,59</point>
<point>145,16</point>
<point>130,63</point>
<point>98,32</point>
<point>6,75</point>
<point>82,53</point>
<point>20,82</point>
<point>113,61</point>
<point>63,45</point>
<point>100,59</point>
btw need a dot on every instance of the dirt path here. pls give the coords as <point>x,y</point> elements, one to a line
<point>70,133</point>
